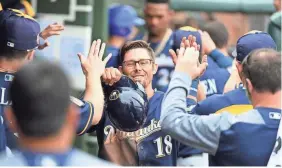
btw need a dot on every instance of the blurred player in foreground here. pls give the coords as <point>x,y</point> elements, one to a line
<point>19,39</point>
<point>225,136</point>
<point>45,119</point>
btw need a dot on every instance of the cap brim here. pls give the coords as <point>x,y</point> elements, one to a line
<point>139,22</point>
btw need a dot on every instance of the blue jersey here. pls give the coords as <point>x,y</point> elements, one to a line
<point>214,78</point>
<point>5,80</point>
<point>148,146</point>
<point>246,139</point>
<point>114,61</point>
<point>71,158</point>
<point>235,102</point>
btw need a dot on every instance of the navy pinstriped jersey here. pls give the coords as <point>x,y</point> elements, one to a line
<point>148,146</point>
<point>5,80</point>
<point>214,78</point>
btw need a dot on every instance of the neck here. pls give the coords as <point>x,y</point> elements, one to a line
<point>53,144</point>
<point>11,65</point>
<point>223,51</point>
<point>150,92</point>
<point>267,100</point>
<point>157,38</point>
<point>117,41</point>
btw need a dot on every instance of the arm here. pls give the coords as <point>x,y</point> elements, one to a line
<point>201,132</point>
<point>221,60</point>
<point>234,79</point>
<point>93,68</point>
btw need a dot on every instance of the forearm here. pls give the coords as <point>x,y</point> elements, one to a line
<point>221,60</point>
<point>187,129</point>
<point>94,94</point>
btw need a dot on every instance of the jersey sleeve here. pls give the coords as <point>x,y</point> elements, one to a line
<point>221,60</point>
<point>202,132</point>
<point>86,112</point>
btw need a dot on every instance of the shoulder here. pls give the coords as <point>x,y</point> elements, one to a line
<point>80,158</point>
<point>249,117</point>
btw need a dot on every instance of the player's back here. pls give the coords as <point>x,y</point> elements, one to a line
<point>5,80</point>
<point>235,102</point>
<point>72,158</point>
<point>247,139</point>
<point>214,78</point>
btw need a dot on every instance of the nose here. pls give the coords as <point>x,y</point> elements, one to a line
<point>138,67</point>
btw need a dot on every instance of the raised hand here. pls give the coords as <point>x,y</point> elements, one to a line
<point>189,42</point>
<point>51,30</point>
<point>188,60</point>
<point>207,42</point>
<point>93,64</point>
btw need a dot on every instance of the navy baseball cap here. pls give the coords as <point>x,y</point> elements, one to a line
<point>185,32</point>
<point>250,41</point>
<point>18,31</point>
<point>122,18</point>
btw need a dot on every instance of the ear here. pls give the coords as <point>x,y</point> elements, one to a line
<point>239,66</point>
<point>120,69</point>
<point>249,85</point>
<point>155,68</point>
<point>9,115</point>
<point>171,13</point>
<point>73,115</point>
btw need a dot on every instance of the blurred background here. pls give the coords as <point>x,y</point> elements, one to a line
<point>86,20</point>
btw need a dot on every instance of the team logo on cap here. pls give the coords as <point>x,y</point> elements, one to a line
<point>114,95</point>
<point>10,44</point>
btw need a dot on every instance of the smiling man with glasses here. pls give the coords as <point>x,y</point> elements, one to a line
<point>148,146</point>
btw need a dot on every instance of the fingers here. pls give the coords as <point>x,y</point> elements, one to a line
<point>202,68</point>
<point>106,60</point>
<point>101,53</point>
<point>205,59</point>
<point>111,76</point>
<point>173,56</point>
<point>92,48</point>
<point>97,47</point>
<point>81,58</point>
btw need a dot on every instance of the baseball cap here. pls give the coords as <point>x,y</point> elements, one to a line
<point>18,31</point>
<point>250,41</point>
<point>122,18</point>
<point>185,32</point>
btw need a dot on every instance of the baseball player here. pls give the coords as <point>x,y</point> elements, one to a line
<point>236,101</point>
<point>245,139</point>
<point>148,146</point>
<point>45,119</point>
<point>122,20</point>
<point>19,39</point>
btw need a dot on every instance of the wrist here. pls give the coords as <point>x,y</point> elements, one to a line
<point>41,34</point>
<point>210,50</point>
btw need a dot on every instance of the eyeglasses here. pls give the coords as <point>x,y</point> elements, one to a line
<point>142,62</point>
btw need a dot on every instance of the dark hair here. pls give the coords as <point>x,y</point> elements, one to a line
<point>218,33</point>
<point>10,53</point>
<point>263,68</point>
<point>40,98</point>
<point>134,45</point>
